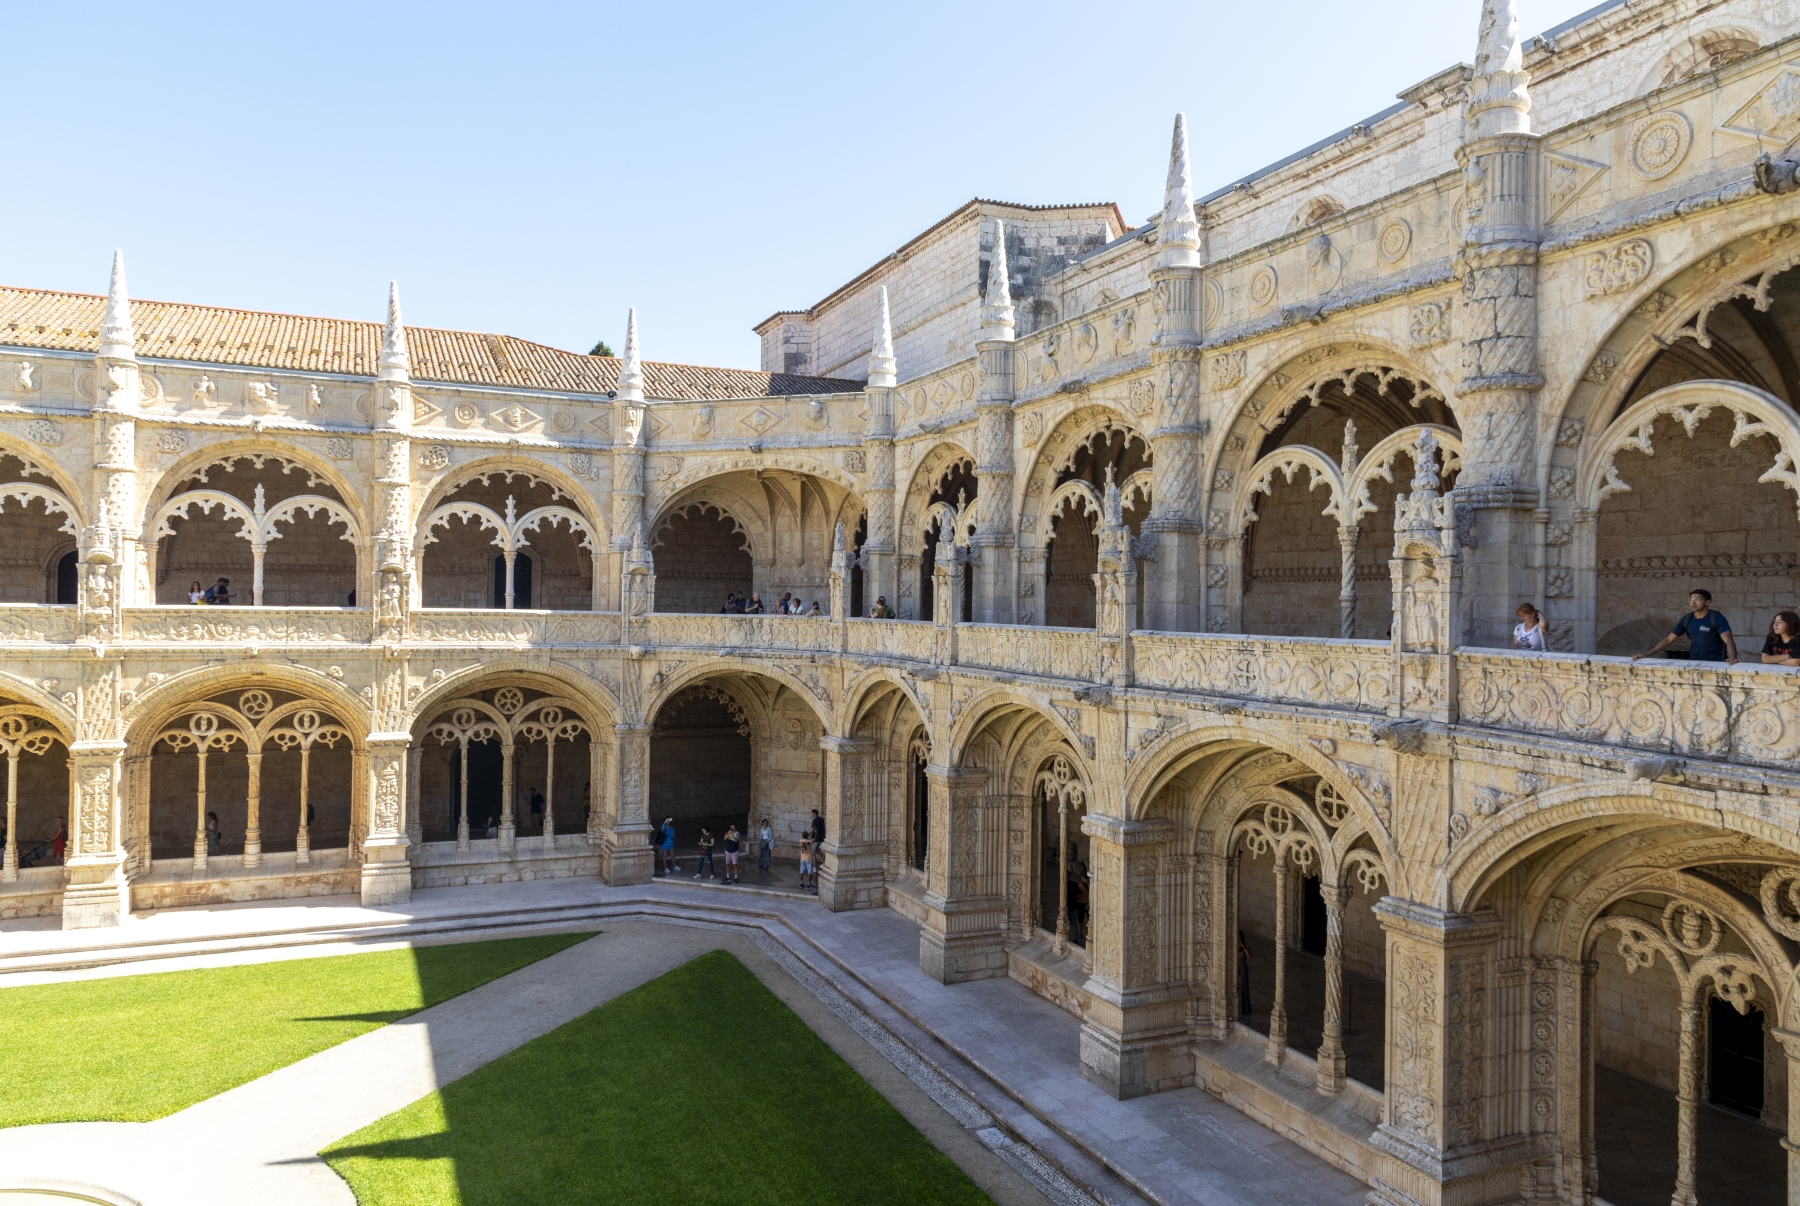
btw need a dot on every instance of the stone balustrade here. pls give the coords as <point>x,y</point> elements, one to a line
<point>1747,713</point>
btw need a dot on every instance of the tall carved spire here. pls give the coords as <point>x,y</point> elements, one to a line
<point>1499,99</point>
<point>997,309</point>
<point>631,370</point>
<point>117,339</point>
<point>882,368</point>
<point>394,365</point>
<point>1178,230</point>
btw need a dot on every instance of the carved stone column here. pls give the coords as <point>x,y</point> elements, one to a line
<point>965,927</point>
<point>946,593</point>
<point>1790,1047</point>
<point>415,824</point>
<point>96,892</point>
<point>994,542</point>
<point>880,572</point>
<point>851,877</point>
<point>253,810</point>
<point>1347,540</point>
<point>1115,591</point>
<point>1496,401</point>
<point>625,853</point>
<point>386,873</point>
<point>1135,1040</point>
<point>1331,1048</point>
<point>1442,1118</point>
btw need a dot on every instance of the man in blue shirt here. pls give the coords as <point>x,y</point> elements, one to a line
<point>1708,633</point>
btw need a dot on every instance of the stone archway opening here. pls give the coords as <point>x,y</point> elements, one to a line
<point>279,533</point>
<point>702,556</point>
<point>39,522</point>
<point>1112,455</point>
<point>958,487</point>
<point>507,539</point>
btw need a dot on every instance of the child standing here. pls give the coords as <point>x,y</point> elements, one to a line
<point>807,879</point>
<point>706,857</point>
<point>731,854</point>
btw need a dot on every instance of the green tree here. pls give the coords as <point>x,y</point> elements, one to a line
<point>600,349</point>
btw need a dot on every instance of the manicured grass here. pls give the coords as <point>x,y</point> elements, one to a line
<point>698,1087</point>
<point>133,1048</point>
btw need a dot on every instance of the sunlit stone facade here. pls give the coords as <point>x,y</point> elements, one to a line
<point>1204,538</point>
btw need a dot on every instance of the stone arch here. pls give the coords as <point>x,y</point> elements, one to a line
<point>920,484</point>
<point>43,511</point>
<point>1052,454</point>
<point>688,675</point>
<point>1698,53</point>
<point>501,532</point>
<point>440,486</point>
<point>658,494</point>
<point>1166,755</point>
<point>861,691</point>
<point>155,702</point>
<point>969,721</point>
<point>38,464</point>
<point>1514,833</point>
<point>295,457</point>
<point>595,697</point>
<point>1628,563</point>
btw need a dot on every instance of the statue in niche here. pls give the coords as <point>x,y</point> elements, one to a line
<point>1421,611</point>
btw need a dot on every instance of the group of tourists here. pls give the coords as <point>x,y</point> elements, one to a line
<point>1708,634</point>
<point>216,595</point>
<point>789,604</point>
<point>812,841</point>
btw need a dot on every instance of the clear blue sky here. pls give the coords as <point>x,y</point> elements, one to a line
<point>535,168</point>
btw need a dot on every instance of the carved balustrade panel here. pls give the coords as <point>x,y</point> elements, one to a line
<point>259,625</point>
<point>1746,714</point>
<point>742,632</point>
<point>1330,673</point>
<point>36,622</point>
<point>910,639</point>
<point>1055,652</point>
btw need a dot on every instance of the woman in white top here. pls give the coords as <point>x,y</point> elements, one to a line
<point>195,594</point>
<point>1528,633</point>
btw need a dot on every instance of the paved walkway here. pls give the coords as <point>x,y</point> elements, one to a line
<point>997,1046</point>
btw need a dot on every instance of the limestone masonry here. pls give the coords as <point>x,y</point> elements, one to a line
<point>1204,540</point>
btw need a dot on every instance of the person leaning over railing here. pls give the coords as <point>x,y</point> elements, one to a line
<point>1708,633</point>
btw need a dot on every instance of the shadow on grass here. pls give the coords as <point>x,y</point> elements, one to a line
<point>698,1087</point>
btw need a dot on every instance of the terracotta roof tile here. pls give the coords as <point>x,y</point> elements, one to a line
<point>41,318</point>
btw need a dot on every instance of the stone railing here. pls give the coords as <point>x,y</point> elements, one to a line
<point>909,639</point>
<point>41,622</point>
<point>1333,673</point>
<point>1054,652</point>
<point>456,626</point>
<point>1743,713</point>
<point>248,625</point>
<point>713,631</point>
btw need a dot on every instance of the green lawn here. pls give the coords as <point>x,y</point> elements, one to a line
<point>698,1087</point>
<point>133,1048</point>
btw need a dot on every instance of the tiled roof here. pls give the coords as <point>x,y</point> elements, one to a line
<point>41,318</point>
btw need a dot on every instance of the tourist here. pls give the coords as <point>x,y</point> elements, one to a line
<point>350,599</point>
<point>215,840</point>
<point>1708,633</point>
<point>668,846</point>
<point>1243,975</point>
<point>730,598</point>
<point>806,862</point>
<point>765,840</point>
<point>31,857</point>
<point>219,594</point>
<point>732,840</point>
<point>59,841</point>
<point>706,858</point>
<point>537,810</point>
<point>881,610</point>
<point>1782,646</point>
<point>785,607</point>
<point>755,606</point>
<point>818,837</point>
<point>197,594</point>
<point>815,613</point>
<point>1528,633</point>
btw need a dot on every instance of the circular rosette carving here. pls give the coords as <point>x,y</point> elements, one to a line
<point>1534,706</point>
<point>1279,819</point>
<point>1763,734</point>
<point>1647,723</point>
<point>1340,679</point>
<point>1330,804</point>
<point>509,700</point>
<point>1585,709</point>
<point>1705,719</point>
<point>255,704</point>
<point>12,728</point>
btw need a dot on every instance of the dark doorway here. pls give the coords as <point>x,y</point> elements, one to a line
<point>521,589</point>
<point>1737,1058</point>
<point>921,812</point>
<point>700,766</point>
<point>1312,916</point>
<point>68,579</point>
